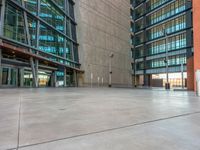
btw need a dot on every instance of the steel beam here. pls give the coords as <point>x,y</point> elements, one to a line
<point>29,43</point>
<point>37,39</point>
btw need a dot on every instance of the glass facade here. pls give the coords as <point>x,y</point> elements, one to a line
<point>161,29</point>
<point>51,29</point>
<point>53,22</point>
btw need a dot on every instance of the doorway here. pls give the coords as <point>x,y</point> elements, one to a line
<point>9,76</point>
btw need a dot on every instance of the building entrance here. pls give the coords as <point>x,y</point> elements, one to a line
<point>43,78</point>
<point>9,76</point>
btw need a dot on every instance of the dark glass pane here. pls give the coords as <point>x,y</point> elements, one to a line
<point>5,73</point>
<point>73,28</point>
<point>71,9</point>
<point>60,3</point>
<point>32,30</point>
<point>68,28</point>
<point>52,15</point>
<point>68,50</point>
<point>31,5</point>
<point>50,41</point>
<point>14,27</point>
<point>13,79</point>
<point>75,49</point>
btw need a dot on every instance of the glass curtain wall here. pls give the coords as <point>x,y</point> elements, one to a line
<point>160,28</point>
<point>51,26</point>
<point>57,27</point>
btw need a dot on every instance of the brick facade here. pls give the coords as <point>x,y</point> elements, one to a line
<point>196,28</point>
<point>190,73</point>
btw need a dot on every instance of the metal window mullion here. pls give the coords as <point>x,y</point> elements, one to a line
<point>71,43</point>
<point>3,3</point>
<point>65,30</point>
<point>64,52</point>
<point>38,24</point>
<point>67,7</point>
<point>70,30</point>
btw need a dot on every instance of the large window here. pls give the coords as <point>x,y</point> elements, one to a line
<point>166,12</point>
<point>173,61</point>
<point>171,26</point>
<point>14,27</point>
<point>71,9</point>
<point>52,15</point>
<point>51,41</point>
<point>173,43</point>
<point>53,32</point>
<point>152,4</point>
<point>60,3</point>
<point>31,5</point>
<point>139,12</point>
<point>32,30</point>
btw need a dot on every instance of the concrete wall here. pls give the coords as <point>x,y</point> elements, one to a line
<point>104,27</point>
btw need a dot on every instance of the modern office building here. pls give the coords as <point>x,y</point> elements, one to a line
<point>162,39</point>
<point>64,43</point>
<point>104,34</point>
<point>38,43</point>
<point>87,43</point>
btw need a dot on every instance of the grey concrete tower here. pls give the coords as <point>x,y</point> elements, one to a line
<point>104,38</point>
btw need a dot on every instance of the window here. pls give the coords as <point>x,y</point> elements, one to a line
<point>71,9</point>
<point>50,41</point>
<point>14,27</point>
<point>166,12</point>
<point>51,15</point>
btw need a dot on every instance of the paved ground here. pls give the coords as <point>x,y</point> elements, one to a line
<point>98,119</point>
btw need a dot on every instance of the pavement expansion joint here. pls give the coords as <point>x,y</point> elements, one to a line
<point>19,122</point>
<point>103,131</point>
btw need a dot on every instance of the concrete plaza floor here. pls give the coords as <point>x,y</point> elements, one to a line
<point>98,119</point>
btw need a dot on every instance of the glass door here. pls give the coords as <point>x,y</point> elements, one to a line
<point>28,78</point>
<point>13,77</point>
<point>5,76</point>
<point>9,76</point>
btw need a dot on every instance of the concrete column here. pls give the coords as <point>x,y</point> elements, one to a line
<point>0,67</point>
<point>35,84</point>
<point>53,79</point>
<point>75,78</point>
<point>65,81</point>
<point>21,77</point>
<point>147,79</point>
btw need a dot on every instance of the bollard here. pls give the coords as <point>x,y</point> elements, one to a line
<point>198,82</point>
